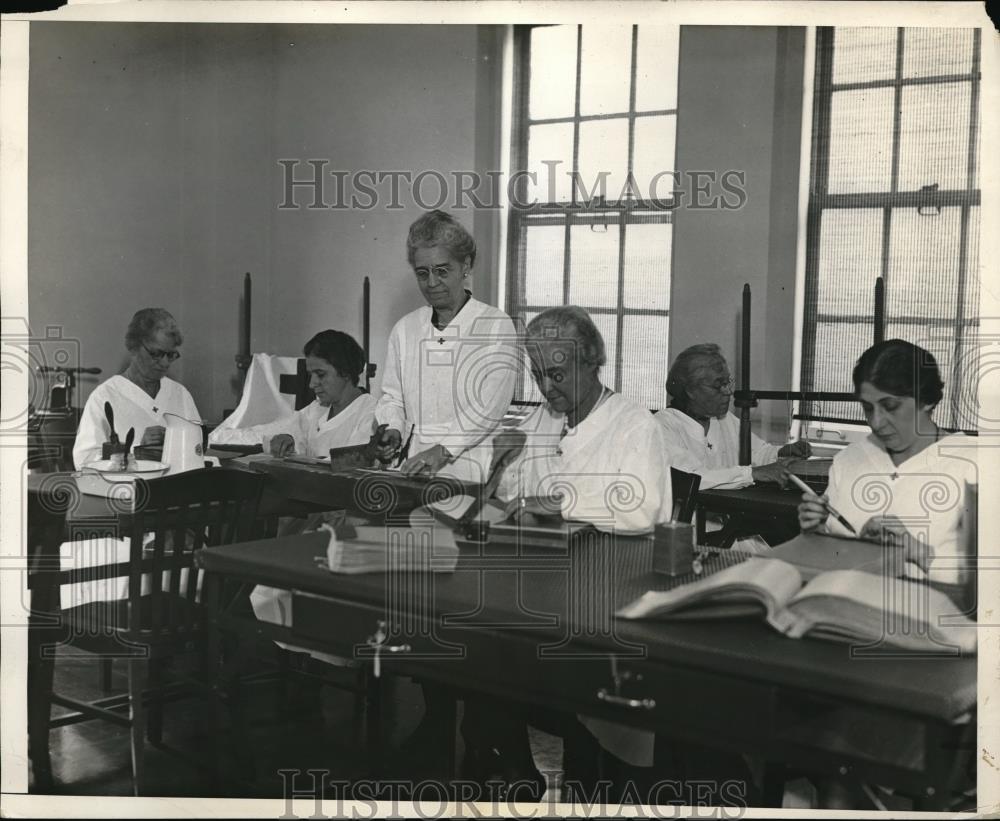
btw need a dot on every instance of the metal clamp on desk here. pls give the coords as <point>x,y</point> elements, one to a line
<point>616,697</point>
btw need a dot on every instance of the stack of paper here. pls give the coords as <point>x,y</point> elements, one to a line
<point>420,548</point>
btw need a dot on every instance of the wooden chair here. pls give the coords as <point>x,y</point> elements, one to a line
<point>161,617</point>
<point>684,489</point>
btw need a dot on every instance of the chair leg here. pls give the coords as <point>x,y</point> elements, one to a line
<point>40,675</point>
<point>137,714</point>
<point>105,665</point>
<point>154,721</point>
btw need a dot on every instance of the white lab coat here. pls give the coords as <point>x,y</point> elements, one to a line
<point>453,386</point>
<point>611,470</point>
<point>715,456</point>
<point>133,408</point>
<point>313,433</point>
<point>927,492</point>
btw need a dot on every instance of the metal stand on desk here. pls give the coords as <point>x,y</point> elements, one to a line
<point>746,398</point>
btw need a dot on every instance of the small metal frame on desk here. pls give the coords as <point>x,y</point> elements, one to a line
<point>746,398</point>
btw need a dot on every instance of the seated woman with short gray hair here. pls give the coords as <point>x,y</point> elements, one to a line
<point>702,436</point>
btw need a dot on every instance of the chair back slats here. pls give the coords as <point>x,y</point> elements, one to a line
<point>185,513</point>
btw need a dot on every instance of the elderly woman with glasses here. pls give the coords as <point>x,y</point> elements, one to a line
<point>450,365</point>
<point>703,436</point>
<point>141,395</point>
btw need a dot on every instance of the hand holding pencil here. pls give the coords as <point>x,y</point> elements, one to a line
<point>815,509</point>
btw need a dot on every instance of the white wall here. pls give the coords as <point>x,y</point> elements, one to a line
<point>740,107</point>
<point>154,180</point>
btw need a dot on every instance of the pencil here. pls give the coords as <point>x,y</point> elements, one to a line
<point>829,507</point>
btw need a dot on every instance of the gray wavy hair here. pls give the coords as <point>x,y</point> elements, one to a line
<point>569,322</point>
<point>147,322</point>
<point>687,364</point>
<point>438,228</point>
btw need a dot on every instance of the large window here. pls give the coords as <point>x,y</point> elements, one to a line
<point>590,222</point>
<point>894,193</point>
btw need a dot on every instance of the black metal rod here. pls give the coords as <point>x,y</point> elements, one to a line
<point>806,396</point>
<point>879,310</point>
<point>745,379</point>
<point>365,328</point>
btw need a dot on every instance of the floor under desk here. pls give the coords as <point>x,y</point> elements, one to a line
<point>91,759</point>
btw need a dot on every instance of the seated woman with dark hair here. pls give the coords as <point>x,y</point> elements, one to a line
<point>905,482</point>
<point>907,485</point>
<point>341,415</point>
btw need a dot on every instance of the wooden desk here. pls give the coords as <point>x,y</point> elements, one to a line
<point>376,495</point>
<point>759,508</point>
<point>535,626</point>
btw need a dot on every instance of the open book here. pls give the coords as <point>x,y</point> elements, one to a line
<point>842,605</point>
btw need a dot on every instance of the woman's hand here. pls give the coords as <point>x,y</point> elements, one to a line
<point>152,437</point>
<point>282,445</point>
<point>387,444</point>
<point>507,445</point>
<point>775,473</point>
<point>426,462</point>
<point>813,512</point>
<point>797,450</point>
<point>888,529</point>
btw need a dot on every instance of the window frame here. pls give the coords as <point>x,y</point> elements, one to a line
<point>611,214</point>
<point>928,197</point>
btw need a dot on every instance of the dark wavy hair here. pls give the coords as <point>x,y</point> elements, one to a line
<point>438,228</point>
<point>902,369</point>
<point>147,322</point>
<point>340,350</point>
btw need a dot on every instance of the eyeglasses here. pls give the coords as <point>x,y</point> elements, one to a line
<point>159,356</point>
<point>721,385</point>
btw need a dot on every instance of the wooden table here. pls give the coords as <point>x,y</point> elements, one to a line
<point>535,626</point>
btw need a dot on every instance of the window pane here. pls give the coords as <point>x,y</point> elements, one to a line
<point>860,140</point>
<point>850,259</point>
<point>529,390</point>
<point>647,266</point>
<point>656,68</point>
<point>653,154</point>
<point>606,55</point>
<point>543,265</point>
<point>934,136</point>
<point>973,275</point>
<point>929,52</point>
<point>552,91</point>
<point>603,150</point>
<point>923,264</point>
<point>607,324</point>
<point>593,265</point>
<point>645,359</point>
<point>863,54</point>
<point>550,143</point>
<point>838,346</point>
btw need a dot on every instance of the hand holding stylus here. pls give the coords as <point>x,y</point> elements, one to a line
<point>815,509</point>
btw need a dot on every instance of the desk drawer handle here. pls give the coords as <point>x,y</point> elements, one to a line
<point>630,703</point>
<point>394,648</point>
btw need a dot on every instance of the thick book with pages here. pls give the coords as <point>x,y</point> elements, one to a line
<point>841,605</point>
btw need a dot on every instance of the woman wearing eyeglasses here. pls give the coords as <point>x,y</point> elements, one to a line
<point>703,436</point>
<point>141,395</point>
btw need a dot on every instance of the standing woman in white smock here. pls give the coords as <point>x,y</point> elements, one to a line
<point>450,366</point>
